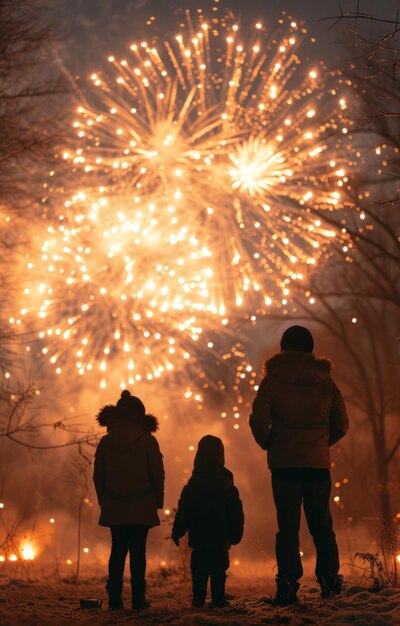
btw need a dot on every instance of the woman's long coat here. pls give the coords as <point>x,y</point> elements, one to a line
<point>129,472</point>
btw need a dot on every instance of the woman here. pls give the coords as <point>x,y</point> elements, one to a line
<point>129,480</point>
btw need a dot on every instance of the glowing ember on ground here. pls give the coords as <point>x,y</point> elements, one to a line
<point>28,552</point>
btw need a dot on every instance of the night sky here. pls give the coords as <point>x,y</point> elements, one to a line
<point>92,29</point>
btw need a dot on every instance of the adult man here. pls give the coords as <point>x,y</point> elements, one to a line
<point>297,415</point>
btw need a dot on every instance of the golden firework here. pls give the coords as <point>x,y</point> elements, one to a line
<point>208,162</point>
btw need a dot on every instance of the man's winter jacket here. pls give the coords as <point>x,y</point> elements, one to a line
<point>128,472</point>
<point>298,411</point>
<point>210,509</point>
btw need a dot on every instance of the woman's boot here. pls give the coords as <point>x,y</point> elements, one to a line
<point>114,590</point>
<point>139,601</point>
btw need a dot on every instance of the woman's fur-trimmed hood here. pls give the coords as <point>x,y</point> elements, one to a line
<point>298,368</point>
<point>113,416</point>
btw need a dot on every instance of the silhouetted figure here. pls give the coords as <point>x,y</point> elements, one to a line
<point>298,413</point>
<point>211,510</point>
<point>129,480</point>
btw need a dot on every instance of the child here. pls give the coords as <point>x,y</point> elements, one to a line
<point>211,510</point>
<point>129,480</point>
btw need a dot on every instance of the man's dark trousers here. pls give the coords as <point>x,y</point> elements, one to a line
<point>291,488</point>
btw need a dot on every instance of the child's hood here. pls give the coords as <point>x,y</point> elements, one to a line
<point>210,452</point>
<point>211,480</point>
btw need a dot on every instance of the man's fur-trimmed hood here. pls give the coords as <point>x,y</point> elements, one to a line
<point>115,417</point>
<point>298,368</point>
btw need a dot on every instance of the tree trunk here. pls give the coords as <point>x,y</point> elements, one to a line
<point>383,483</point>
<point>78,556</point>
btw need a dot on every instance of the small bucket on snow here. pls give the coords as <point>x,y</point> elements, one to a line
<point>90,603</point>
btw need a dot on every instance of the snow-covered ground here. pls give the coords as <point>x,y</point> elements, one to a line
<point>56,601</point>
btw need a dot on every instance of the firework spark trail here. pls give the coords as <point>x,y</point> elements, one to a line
<point>208,162</point>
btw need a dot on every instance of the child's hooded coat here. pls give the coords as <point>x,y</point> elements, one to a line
<point>210,508</point>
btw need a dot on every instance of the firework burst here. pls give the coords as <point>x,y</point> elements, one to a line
<point>123,291</point>
<point>208,162</point>
<point>237,139</point>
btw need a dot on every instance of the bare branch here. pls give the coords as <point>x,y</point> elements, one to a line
<point>360,15</point>
<point>393,451</point>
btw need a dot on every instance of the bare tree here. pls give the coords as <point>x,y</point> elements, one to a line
<point>30,105</point>
<point>372,225</point>
<point>20,423</point>
<point>77,480</point>
<point>373,67</point>
<point>362,333</point>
